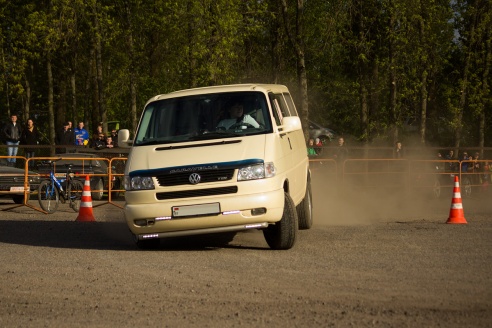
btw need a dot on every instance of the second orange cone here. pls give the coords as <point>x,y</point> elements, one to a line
<point>85,211</point>
<point>456,214</point>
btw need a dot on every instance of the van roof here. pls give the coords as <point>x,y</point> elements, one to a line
<point>222,88</point>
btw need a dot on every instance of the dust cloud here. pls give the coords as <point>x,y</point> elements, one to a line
<point>363,200</point>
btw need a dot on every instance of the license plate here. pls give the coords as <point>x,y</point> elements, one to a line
<point>195,210</point>
<point>16,189</point>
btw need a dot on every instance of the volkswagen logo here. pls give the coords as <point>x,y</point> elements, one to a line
<point>194,178</point>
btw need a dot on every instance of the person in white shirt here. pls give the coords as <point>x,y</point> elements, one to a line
<point>237,116</point>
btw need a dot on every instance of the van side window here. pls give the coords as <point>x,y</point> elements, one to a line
<point>290,103</point>
<point>283,105</point>
<point>277,113</point>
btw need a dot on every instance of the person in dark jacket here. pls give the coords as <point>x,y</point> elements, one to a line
<point>30,136</point>
<point>100,143</point>
<point>65,137</point>
<point>12,134</point>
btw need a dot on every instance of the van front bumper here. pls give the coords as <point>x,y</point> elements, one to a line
<point>237,212</point>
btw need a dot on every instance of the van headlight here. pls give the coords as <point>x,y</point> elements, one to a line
<point>257,171</point>
<point>138,183</point>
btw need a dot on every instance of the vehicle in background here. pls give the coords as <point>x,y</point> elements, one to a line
<point>324,134</point>
<point>113,125</point>
<point>12,182</point>
<point>89,164</point>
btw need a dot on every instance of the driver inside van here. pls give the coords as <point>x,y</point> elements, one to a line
<point>237,117</point>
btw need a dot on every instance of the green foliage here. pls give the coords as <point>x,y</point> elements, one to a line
<point>354,51</point>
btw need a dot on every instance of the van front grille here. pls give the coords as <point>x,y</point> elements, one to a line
<point>176,179</point>
<point>196,193</point>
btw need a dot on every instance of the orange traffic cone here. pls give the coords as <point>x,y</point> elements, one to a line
<point>85,211</point>
<point>456,214</point>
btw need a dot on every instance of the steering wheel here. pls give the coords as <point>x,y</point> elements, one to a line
<point>239,125</point>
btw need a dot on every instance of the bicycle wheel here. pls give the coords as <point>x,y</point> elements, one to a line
<point>75,190</point>
<point>48,196</point>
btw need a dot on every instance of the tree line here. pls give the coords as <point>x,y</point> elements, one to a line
<point>378,70</point>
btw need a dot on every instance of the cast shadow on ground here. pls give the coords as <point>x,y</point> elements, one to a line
<point>99,236</point>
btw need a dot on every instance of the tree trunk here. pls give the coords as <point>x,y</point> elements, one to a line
<point>61,108</point>
<point>99,72</point>
<point>364,111</point>
<point>485,100</point>
<point>27,108</point>
<point>133,80</point>
<point>392,77</point>
<point>423,106</point>
<point>51,111</point>
<point>73,86</point>
<point>464,85</point>
<point>298,45</point>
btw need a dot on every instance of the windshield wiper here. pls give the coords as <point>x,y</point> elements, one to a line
<point>213,135</point>
<point>153,142</point>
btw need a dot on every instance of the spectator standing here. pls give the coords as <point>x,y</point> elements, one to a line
<point>476,168</point>
<point>95,135</point>
<point>439,165</point>
<point>341,151</point>
<point>81,135</point>
<point>398,150</point>
<point>310,148</point>
<point>450,166</point>
<point>318,146</point>
<point>12,133</point>
<point>114,135</point>
<point>110,142</point>
<point>464,162</point>
<point>65,136</point>
<point>100,143</point>
<point>30,136</point>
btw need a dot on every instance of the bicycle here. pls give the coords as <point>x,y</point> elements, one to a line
<point>51,192</point>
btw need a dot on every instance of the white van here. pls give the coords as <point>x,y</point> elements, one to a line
<point>218,159</point>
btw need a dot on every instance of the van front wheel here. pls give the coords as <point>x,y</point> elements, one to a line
<point>282,235</point>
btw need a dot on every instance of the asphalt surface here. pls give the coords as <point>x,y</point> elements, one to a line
<point>373,258</point>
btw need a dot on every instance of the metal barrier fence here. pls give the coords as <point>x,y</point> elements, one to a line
<point>405,173</point>
<point>112,181</point>
<point>358,173</point>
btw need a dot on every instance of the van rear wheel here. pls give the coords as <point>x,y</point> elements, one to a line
<point>98,193</point>
<point>305,209</point>
<point>282,235</point>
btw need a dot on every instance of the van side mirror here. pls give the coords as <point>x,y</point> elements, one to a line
<point>289,124</point>
<point>123,138</point>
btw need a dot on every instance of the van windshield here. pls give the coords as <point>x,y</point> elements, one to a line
<point>204,117</point>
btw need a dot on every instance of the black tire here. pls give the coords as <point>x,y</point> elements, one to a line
<point>98,194</point>
<point>48,197</point>
<point>147,243</point>
<point>75,192</point>
<point>305,209</point>
<point>282,235</point>
<point>19,199</point>
<point>116,185</point>
<point>466,188</point>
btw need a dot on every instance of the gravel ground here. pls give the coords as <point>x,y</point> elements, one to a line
<point>371,259</point>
